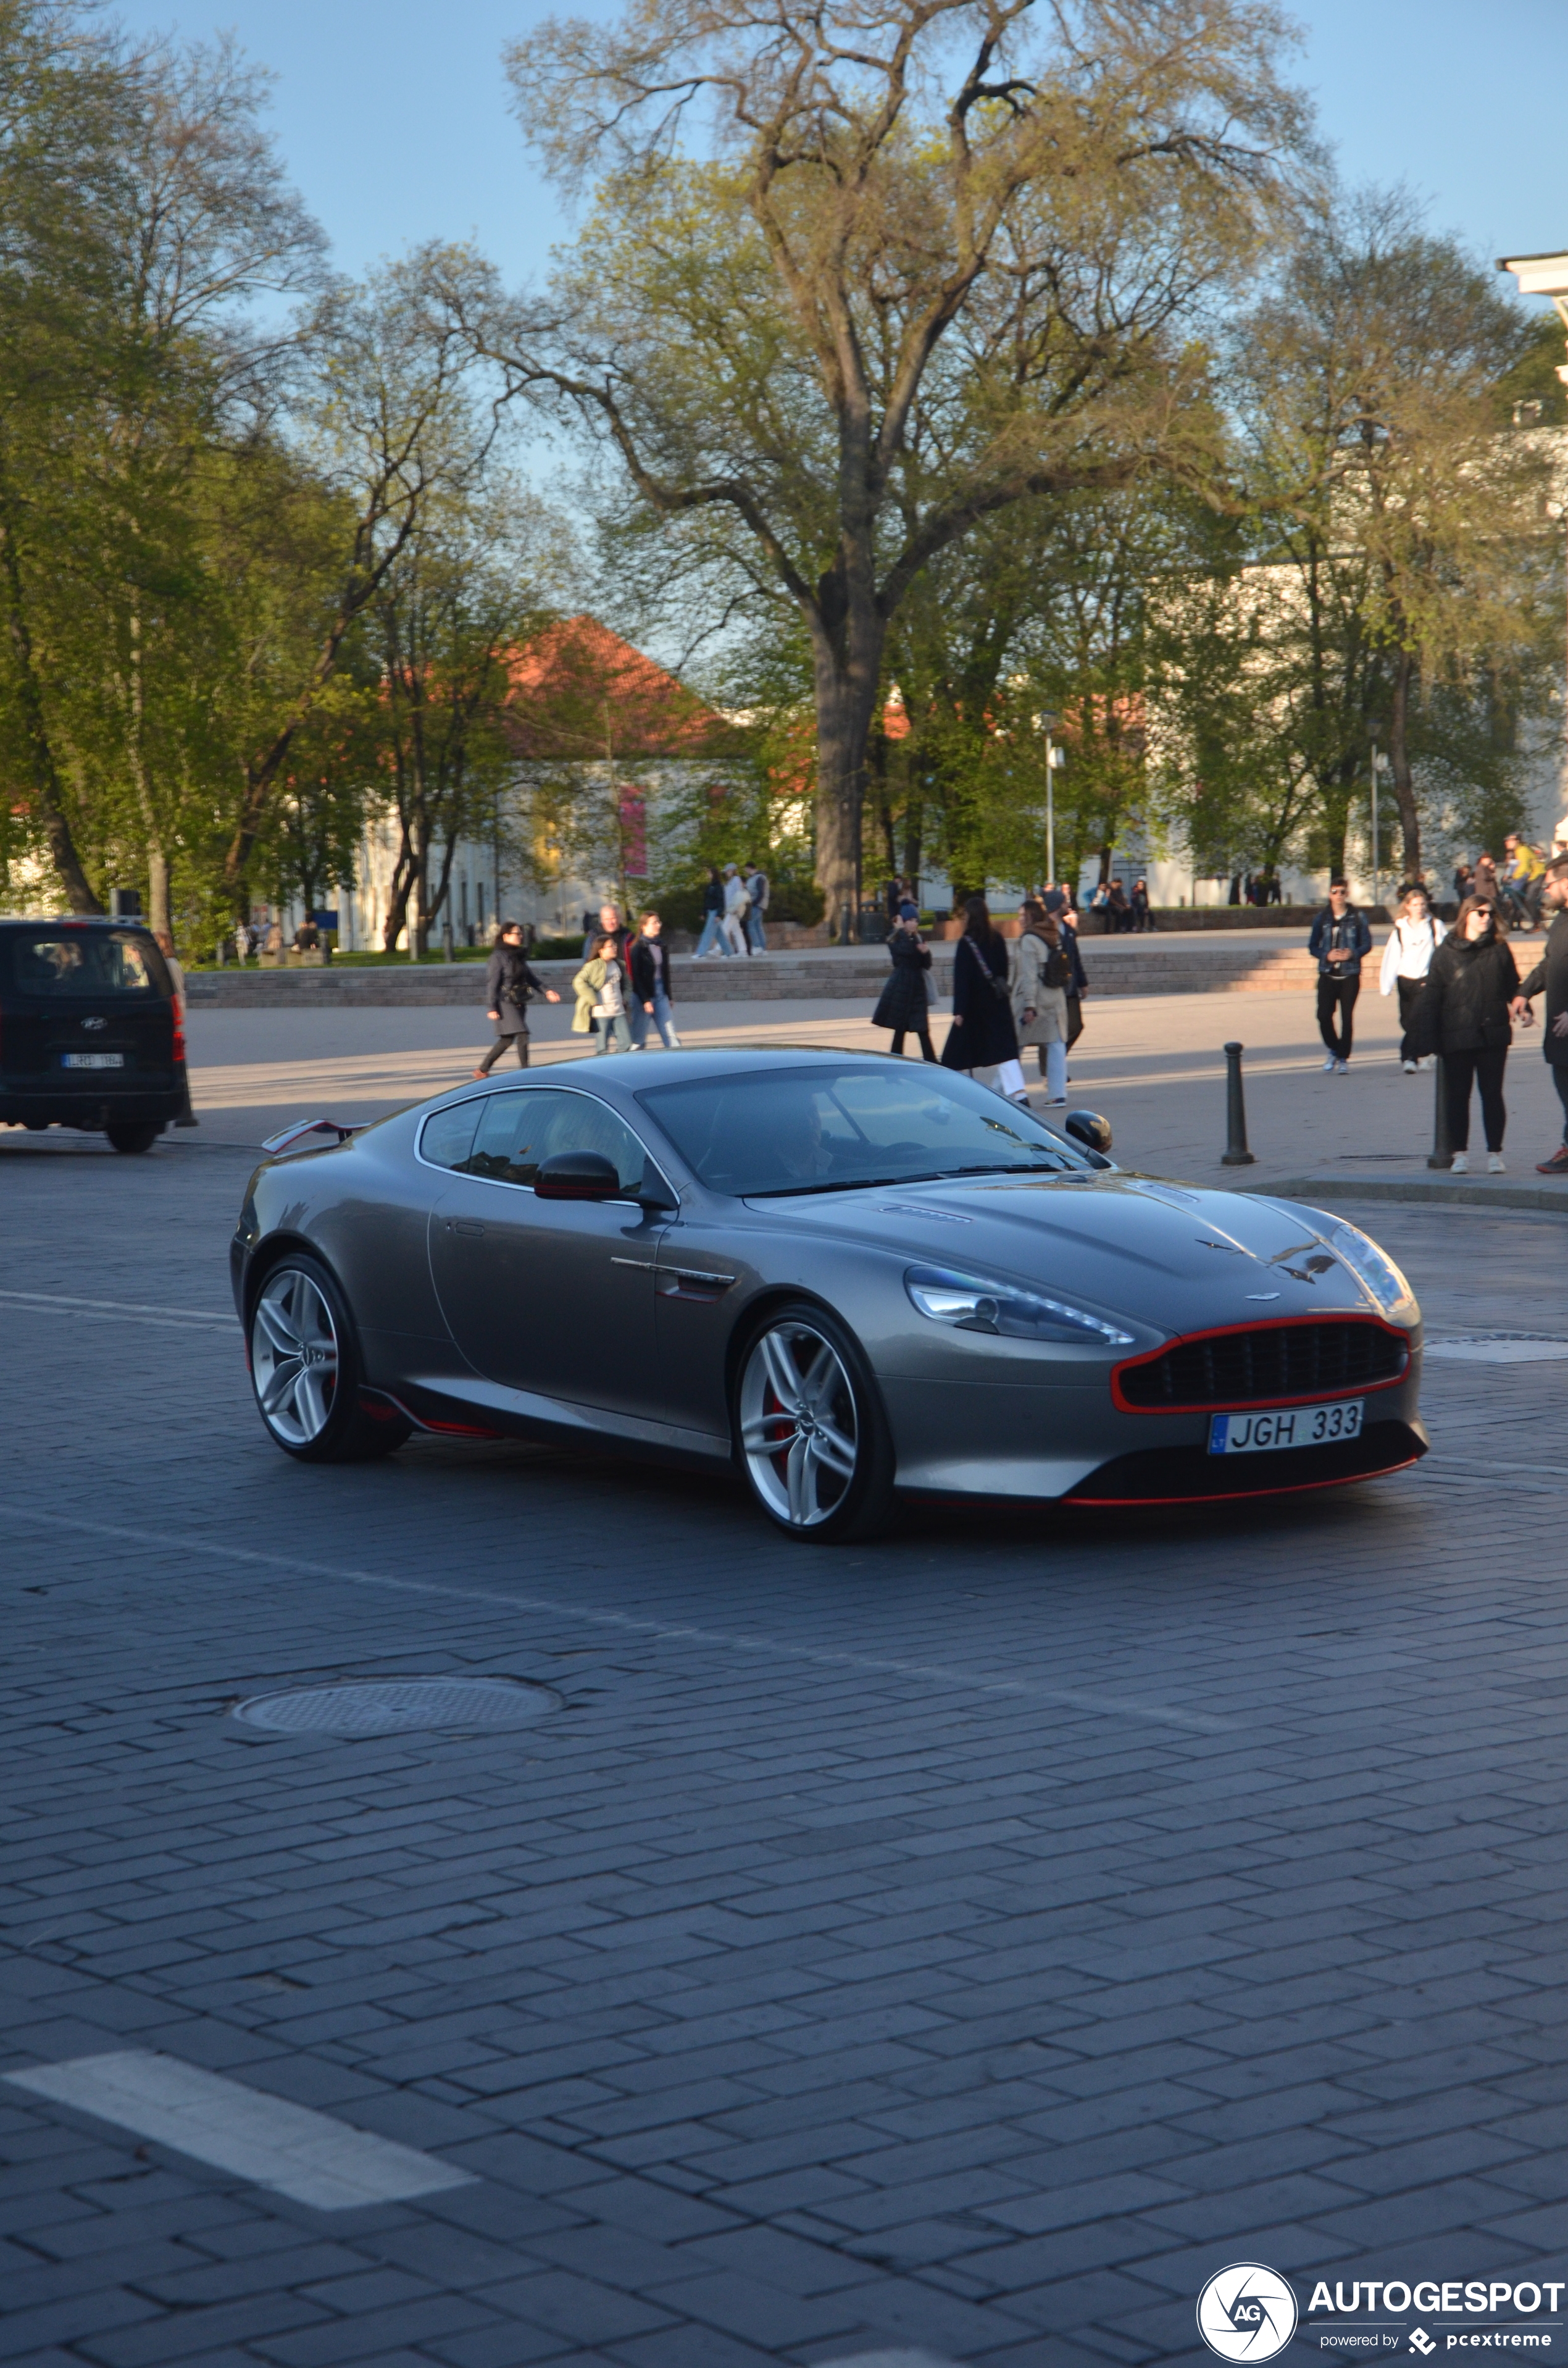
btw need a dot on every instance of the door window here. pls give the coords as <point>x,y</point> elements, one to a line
<point>519,1129</point>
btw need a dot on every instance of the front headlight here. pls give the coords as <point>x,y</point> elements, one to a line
<point>1374,1267</point>
<point>972,1303</point>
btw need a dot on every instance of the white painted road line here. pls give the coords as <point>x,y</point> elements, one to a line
<point>1191,1722</point>
<point>307,2156</point>
<point>115,1307</point>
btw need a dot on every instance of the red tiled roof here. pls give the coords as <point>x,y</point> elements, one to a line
<point>580,692</point>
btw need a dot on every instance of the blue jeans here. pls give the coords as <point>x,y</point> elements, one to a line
<point>712,935</point>
<point>661,1017</point>
<point>612,1035</point>
<point>756,931</point>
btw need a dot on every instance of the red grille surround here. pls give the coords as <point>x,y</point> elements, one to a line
<point>1295,1360</point>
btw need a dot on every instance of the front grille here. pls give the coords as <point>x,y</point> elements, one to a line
<point>1264,1362</point>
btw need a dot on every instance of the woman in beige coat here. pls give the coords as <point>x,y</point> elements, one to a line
<point>1041,973</point>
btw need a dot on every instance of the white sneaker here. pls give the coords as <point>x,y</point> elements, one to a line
<point>1410,1067</point>
<point>1342,1068</point>
<point>1330,1065</point>
<point>1460,1164</point>
<point>1495,1164</point>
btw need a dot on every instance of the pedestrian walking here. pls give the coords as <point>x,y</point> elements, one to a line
<point>1472,990</point>
<point>1551,972</point>
<point>508,982</point>
<point>982,1036</point>
<point>600,989</point>
<point>609,924</point>
<point>1407,957</point>
<point>1484,881</point>
<point>1340,936</point>
<point>177,979</point>
<point>1078,985</point>
<point>737,905</point>
<point>712,940</point>
<point>653,991</point>
<point>904,1003</point>
<point>757,893</point>
<point>1041,970</point>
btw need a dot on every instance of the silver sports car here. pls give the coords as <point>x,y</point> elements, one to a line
<point>854,1278</point>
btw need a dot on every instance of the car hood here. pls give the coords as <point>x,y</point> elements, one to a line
<point>1175,1256</point>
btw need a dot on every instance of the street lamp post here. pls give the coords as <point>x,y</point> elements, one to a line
<point>1545,275</point>
<point>1047,722</point>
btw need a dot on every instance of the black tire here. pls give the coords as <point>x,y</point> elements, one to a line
<point>306,1370</point>
<point>133,1138</point>
<point>819,1462</point>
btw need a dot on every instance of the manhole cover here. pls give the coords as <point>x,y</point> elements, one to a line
<point>399,1706</point>
<point>1500,1349</point>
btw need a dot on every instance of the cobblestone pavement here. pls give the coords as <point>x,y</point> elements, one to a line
<point>960,1947</point>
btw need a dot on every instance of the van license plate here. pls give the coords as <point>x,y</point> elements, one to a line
<point>1315,1425</point>
<point>92,1059</point>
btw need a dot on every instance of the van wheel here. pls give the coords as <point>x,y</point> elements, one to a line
<point>133,1138</point>
<point>306,1372</point>
<point>812,1435</point>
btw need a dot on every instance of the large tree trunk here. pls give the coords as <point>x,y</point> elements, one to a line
<point>846,680</point>
<point>1404,787</point>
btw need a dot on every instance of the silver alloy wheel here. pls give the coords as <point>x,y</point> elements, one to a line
<point>799,1425</point>
<point>294,1357</point>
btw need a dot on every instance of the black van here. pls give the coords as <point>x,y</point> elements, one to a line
<point>89,1032</point>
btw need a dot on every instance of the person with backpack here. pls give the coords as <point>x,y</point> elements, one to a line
<point>1407,957</point>
<point>983,1035</point>
<point>1472,991</point>
<point>508,982</point>
<point>1041,975</point>
<point>1340,938</point>
<point>904,1004</point>
<point>758,891</point>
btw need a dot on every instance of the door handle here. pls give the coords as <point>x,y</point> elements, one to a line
<point>464,1226</point>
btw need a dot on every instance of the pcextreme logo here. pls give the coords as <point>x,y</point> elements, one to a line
<point>1246,2312</point>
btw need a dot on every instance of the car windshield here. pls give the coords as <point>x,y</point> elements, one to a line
<point>65,964</point>
<point>835,1126</point>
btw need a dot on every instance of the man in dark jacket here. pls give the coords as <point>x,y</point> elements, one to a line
<point>508,982</point>
<point>1551,972</point>
<point>1340,938</point>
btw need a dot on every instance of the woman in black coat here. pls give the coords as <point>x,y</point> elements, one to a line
<point>983,1035</point>
<point>903,1005</point>
<point>1472,990</point>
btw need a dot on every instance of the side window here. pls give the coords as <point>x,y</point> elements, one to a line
<point>521,1127</point>
<point>447,1137</point>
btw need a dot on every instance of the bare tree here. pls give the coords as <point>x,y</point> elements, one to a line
<point>935,267</point>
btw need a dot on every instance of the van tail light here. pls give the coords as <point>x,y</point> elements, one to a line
<point>180,1041</point>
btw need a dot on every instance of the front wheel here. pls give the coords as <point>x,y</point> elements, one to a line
<point>133,1138</point>
<point>305,1369</point>
<point>812,1434</point>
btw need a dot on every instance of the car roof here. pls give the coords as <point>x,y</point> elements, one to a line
<point>76,921</point>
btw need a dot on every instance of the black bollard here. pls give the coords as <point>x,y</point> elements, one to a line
<point>1442,1151</point>
<point>1236,1152</point>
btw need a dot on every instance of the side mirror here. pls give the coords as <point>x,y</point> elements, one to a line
<point>654,1192</point>
<point>1088,1128</point>
<point>577,1175</point>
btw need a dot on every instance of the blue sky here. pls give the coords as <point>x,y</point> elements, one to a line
<point>394,116</point>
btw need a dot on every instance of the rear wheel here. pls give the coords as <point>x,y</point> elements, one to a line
<point>133,1138</point>
<point>813,1437</point>
<point>305,1369</point>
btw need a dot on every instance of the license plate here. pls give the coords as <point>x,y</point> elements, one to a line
<point>92,1059</point>
<point>1254,1434</point>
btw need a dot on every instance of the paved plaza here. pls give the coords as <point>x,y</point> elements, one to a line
<point>950,1950</point>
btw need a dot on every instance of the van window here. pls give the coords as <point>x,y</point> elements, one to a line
<point>67,964</point>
